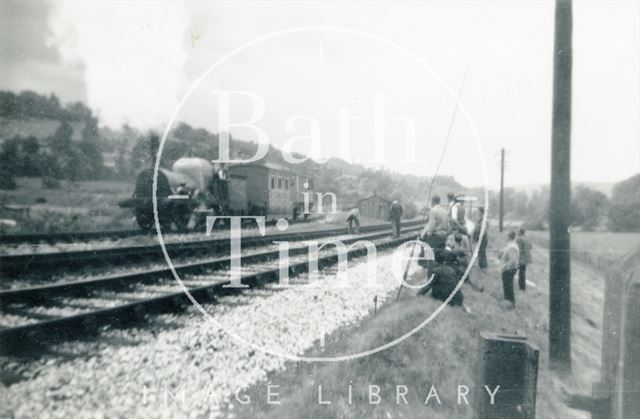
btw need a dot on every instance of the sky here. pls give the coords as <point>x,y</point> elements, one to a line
<point>357,80</point>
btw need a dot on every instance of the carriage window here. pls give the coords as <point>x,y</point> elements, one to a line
<point>279,183</point>
<point>286,183</point>
<point>273,182</point>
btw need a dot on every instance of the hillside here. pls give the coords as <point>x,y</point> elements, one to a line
<point>530,188</point>
<point>125,150</point>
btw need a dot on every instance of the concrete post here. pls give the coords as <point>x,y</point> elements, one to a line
<point>511,363</point>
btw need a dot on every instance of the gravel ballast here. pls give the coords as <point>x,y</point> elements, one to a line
<point>191,366</point>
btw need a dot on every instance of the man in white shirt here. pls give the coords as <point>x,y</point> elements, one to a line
<point>509,261</point>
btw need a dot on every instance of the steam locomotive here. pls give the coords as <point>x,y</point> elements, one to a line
<point>195,188</point>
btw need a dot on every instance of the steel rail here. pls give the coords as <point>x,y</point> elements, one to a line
<point>83,236</point>
<point>21,264</point>
<point>32,337</point>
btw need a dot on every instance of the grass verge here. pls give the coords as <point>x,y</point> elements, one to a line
<point>442,354</point>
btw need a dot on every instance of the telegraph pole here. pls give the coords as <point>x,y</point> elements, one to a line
<point>559,240</point>
<point>501,189</point>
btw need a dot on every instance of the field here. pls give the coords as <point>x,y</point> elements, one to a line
<point>75,206</point>
<point>600,249</point>
<point>444,352</point>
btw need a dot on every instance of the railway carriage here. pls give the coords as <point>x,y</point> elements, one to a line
<point>195,188</point>
<point>272,189</point>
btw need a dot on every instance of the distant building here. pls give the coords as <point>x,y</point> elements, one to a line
<point>374,207</point>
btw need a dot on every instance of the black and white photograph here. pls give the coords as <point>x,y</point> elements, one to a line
<point>320,209</point>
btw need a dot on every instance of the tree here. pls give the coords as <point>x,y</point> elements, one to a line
<point>92,155</point>
<point>537,210</point>
<point>29,104</point>
<point>30,161</point>
<point>624,212</point>
<point>9,163</point>
<point>90,131</point>
<point>77,111</point>
<point>73,165</point>
<point>61,140</point>
<point>588,207</point>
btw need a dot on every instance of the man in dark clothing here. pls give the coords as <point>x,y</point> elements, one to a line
<point>444,281</point>
<point>525,258</point>
<point>482,248</point>
<point>460,249</point>
<point>395,213</point>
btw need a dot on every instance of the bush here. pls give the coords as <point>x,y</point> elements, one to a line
<point>410,211</point>
<point>7,181</point>
<point>624,212</point>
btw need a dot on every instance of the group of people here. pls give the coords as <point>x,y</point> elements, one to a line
<point>352,223</point>
<point>514,258</point>
<point>447,233</point>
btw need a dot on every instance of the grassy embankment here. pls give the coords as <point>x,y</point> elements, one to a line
<point>75,206</point>
<point>598,248</point>
<point>443,353</point>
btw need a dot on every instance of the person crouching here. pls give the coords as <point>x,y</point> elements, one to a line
<point>353,221</point>
<point>444,280</point>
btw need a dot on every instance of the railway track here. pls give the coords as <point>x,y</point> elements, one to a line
<point>120,300</point>
<point>84,236</point>
<point>67,237</point>
<point>17,265</point>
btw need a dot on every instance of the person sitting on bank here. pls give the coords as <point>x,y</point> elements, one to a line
<point>458,243</point>
<point>459,246</point>
<point>444,281</point>
<point>509,260</point>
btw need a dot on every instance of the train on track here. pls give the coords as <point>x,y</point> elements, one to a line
<point>195,188</point>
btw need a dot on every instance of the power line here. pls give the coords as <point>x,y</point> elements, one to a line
<point>446,140</point>
<point>501,190</point>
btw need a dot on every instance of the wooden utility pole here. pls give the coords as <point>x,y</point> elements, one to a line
<point>501,189</point>
<point>559,240</point>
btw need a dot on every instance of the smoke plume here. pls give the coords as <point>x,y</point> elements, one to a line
<point>133,55</point>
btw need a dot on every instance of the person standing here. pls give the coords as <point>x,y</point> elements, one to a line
<point>509,260</point>
<point>482,247</point>
<point>395,213</point>
<point>457,215</point>
<point>524,246</point>
<point>451,203</point>
<point>437,228</point>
